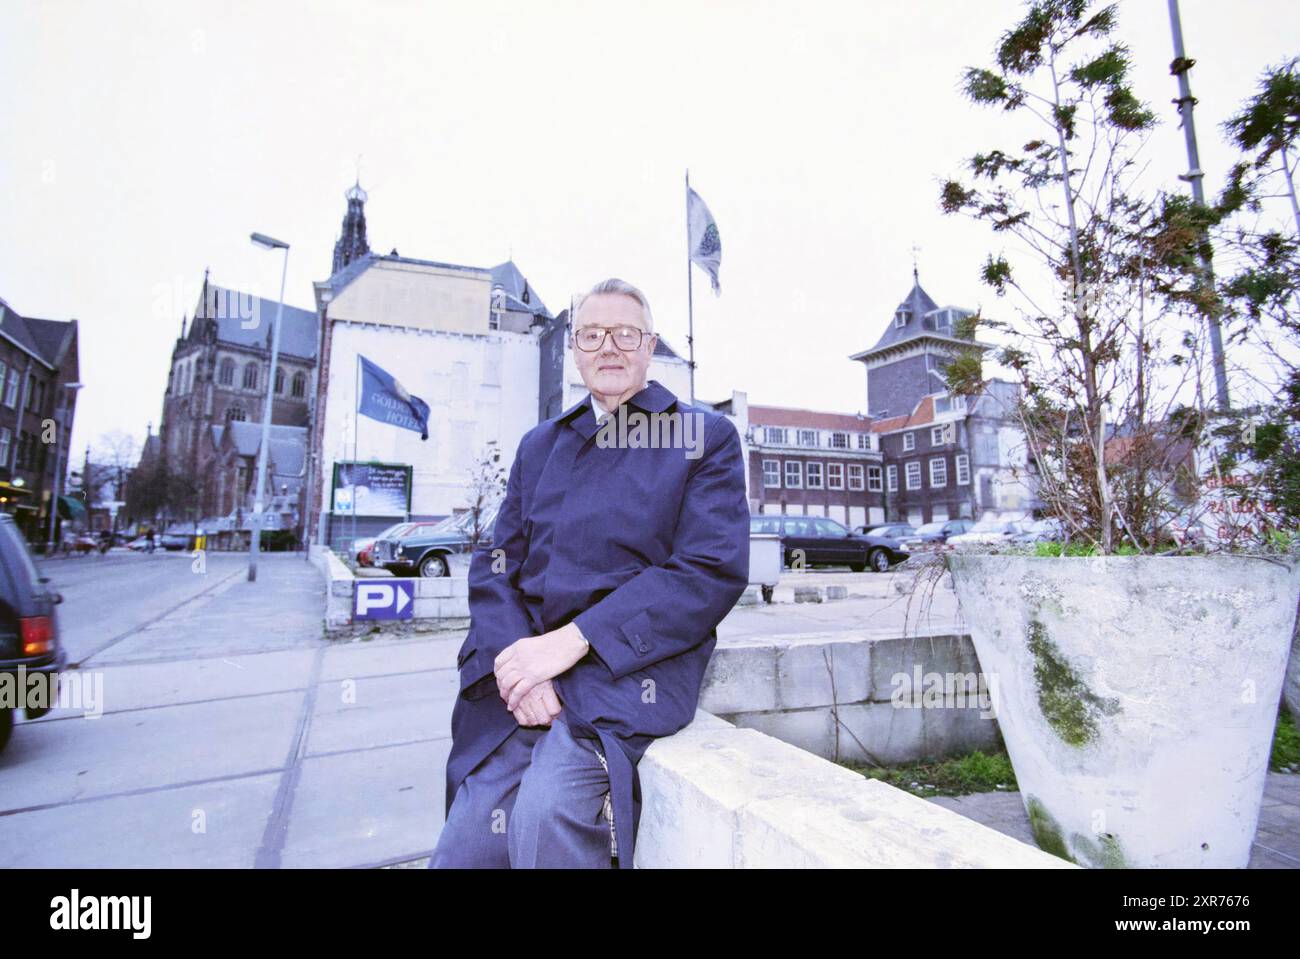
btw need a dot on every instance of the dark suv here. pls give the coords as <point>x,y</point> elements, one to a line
<point>29,633</point>
<point>824,542</point>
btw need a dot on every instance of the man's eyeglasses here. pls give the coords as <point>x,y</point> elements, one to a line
<point>591,338</point>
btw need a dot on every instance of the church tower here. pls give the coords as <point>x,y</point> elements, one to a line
<point>351,243</point>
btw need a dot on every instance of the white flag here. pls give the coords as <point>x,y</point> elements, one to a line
<point>706,245</point>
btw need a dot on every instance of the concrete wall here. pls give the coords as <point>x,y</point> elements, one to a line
<point>726,798</point>
<point>846,696</point>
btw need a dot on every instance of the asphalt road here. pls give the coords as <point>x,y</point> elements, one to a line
<point>110,601</point>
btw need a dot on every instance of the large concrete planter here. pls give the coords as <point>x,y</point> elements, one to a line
<point>1137,697</point>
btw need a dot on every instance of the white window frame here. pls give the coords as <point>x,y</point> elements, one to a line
<point>857,478</point>
<point>775,469</point>
<point>891,473</point>
<point>909,441</point>
<point>810,473</point>
<point>963,468</point>
<point>911,474</point>
<point>864,441</point>
<point>942,472</point>
<point>874,481</point>
<point>6,438</point>
<point>11,388</point>
<point>808,438</point>
<point>774,435</point>
<point>942,432</point>
<point>835,476</point>
<point>796,474</point>
<point>839,440</point>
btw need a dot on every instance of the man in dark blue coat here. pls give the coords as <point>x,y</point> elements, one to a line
<point>620,546</point>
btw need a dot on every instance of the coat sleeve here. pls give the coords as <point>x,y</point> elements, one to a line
<point>498,616</point>
<point>667,609</point>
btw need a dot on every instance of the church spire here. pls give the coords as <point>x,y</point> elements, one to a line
<point>351,243</point>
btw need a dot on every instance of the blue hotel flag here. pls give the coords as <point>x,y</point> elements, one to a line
<point>383,398</point>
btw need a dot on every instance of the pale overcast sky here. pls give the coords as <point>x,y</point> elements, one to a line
<point>145,140</point>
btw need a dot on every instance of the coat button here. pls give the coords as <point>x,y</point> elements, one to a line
<point>644,648</point>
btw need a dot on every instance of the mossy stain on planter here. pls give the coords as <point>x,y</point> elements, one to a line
<point>1104,852</point>
<point>1068,705</point>
<point>1047,831</point>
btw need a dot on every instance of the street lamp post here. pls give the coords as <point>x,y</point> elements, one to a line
<point>267,243</point>
<point>58,464</point>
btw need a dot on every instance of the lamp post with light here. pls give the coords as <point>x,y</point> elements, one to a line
<point>267,243</point>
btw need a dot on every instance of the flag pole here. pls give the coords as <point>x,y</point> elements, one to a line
<point>690,298</point>
<point>356,429</point>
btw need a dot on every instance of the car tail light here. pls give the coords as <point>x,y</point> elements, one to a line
<point>37,635</point>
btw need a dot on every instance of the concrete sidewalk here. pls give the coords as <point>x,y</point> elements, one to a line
<point>318,757</point>
<point>232,736</point>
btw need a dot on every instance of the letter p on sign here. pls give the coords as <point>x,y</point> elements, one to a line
<point>394,600</point>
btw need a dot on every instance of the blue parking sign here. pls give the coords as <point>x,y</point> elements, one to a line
<point>383,600</point>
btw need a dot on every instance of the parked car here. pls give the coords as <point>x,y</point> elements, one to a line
<point>80,543</point>
<point>428,551</point>
<point>365,548</point>
<point>29,633</point>
<point>175,541</point>
<point>825,542</point>
<point>933,535</point>
<point>987,532</point>
<point>892,530</point>
<point>1040,531</point>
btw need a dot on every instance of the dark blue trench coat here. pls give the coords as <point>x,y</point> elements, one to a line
<point>646,548</point>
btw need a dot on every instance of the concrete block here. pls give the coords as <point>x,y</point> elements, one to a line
<point>695,782</point>
<point>741,677</point>
<point>807,594</point>
<point>837,592</point>
<point>894,661</point>
<point>956,732</point>
<point>809,729</point>
<point>870,824</point>
<point>718,798</point>
<point>426,588</point>
<point>818,672</point>
<point>878,732</point>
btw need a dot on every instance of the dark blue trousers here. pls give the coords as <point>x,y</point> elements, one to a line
<point>537,802</point>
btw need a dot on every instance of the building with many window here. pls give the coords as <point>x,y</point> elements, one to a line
<point>38,359</point>
<point>917,455</point>
<point>219,372</point>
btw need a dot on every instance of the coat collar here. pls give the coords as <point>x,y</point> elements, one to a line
<point>654,397</point>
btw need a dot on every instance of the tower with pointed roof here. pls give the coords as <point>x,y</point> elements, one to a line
<point>351,244</point>
<point>909,358</point>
